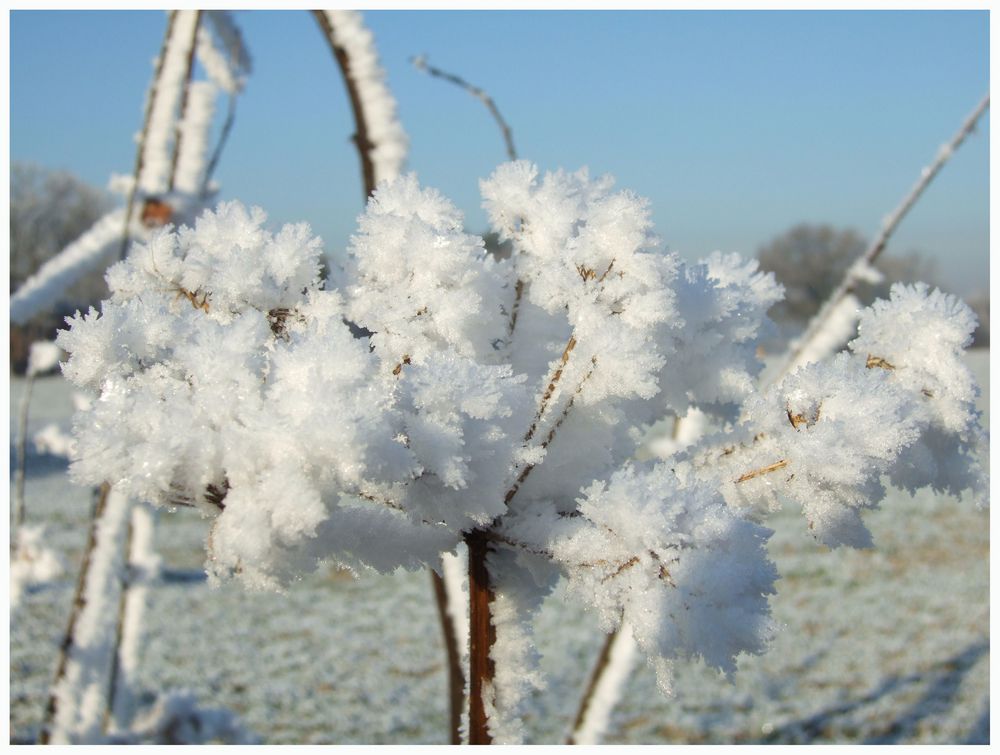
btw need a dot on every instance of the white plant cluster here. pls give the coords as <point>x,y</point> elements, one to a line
<point>508,396</point>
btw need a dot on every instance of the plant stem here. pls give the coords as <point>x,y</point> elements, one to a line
<point>79,601</point>
<point>421,64</point>
<point>482,636</point>
<point>141,146</point>
<point>178,129</point>
<point>361,140</point>
<point>595,676</point>
<point>114,684</point>
<point>22,451</point>
<point>851,278</point>
<point>456,678</point>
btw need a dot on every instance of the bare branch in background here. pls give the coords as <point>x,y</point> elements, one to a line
<point>227,126</point>
<point>421,64</point>
<point>831,314</point>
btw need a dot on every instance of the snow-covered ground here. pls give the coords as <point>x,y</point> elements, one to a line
<point>882,646</point>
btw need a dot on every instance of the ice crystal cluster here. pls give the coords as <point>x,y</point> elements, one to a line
<point>429,389</point>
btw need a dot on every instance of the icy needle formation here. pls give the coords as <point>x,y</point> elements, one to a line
<point>230,381</point>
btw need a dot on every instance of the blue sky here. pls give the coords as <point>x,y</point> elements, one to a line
<point>736,125</point>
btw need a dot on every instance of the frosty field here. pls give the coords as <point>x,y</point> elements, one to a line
<point>882,646</point>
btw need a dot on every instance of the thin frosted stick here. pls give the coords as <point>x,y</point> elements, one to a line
<point>22,452</point>
<point>604,690</point>
<point>855,272</point>
<point>185,95</point>
<point>79,600</point>
<point>141,147</point>
<point>421,64</point>
<point>227,126</point>
<point>379,137</point>
<point>480,94</point>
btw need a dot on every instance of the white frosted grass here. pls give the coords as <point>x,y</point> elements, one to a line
<point>41,291</point>
<point>82,692</point>
<point>157,155</point>
<point>32,562</point>
<point>42,357</point>
<point>176,718</point>
<point>378,105</point>
<point>195,128</point>
<point>53,439</point>
<point>609,689</point>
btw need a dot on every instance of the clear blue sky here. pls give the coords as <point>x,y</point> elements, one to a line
<point>736,125</point>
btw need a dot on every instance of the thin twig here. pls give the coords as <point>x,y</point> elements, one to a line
<point>456,679</point>
<point>141,146</point>
<point>763,470</point>
<point>223,137</point>
<point>878,243</point>
<point>421,64</point>
<point>550,389</point>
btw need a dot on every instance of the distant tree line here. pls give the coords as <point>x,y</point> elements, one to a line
<point>49,209</point>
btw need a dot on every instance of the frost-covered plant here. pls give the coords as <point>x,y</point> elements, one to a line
<point>501,403</point>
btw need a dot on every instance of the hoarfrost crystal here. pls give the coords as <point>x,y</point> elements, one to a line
<point>432,392</point>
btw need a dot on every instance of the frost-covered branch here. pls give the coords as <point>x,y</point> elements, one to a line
<point>154,161</point>
<point>138,576</point>
<point>76,706</point>
<point>421,64</point>
<point>379,136</point>
<point>604,688</point>
<point>183,122</point>
<point>836,319</point>
<point>43,289</point>
<point>153,172</point>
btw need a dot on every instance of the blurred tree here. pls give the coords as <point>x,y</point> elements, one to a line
<point>49,210</point>
<point>810,260</point>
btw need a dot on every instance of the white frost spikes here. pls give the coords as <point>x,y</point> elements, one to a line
<point>230,378</point>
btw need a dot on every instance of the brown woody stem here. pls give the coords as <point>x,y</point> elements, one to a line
<point>482,636</point>
<point>361,140</point>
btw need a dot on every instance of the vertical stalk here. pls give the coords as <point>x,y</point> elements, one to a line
<point>22,451</point>
<point>482,636</point>
<point>79,601</point>
<point>361,139</point>
<point>178,132</point>
<point>456,679</point>
<point>141,147</point>
<point>588,695</point>
<point>114,684</point>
